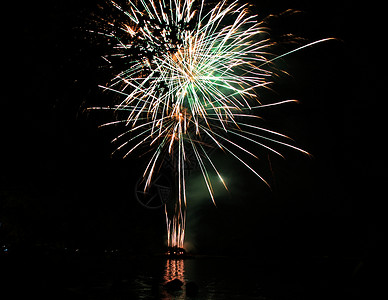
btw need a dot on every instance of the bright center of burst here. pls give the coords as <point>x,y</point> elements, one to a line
<point>191,77</point>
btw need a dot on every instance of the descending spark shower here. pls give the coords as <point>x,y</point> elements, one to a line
<point>187,76</point>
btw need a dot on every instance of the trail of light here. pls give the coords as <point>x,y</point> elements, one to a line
<point>297,49</point>
<point>239,159</point>
<point>214,168</point>
<point>254,141</point>
<point>204,172</point>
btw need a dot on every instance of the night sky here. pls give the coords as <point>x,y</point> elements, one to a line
<point>60,186</point>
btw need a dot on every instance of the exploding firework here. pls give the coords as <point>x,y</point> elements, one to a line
<point>187,77</point>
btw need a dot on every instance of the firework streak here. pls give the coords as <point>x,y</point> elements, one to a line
<point>188,76</point>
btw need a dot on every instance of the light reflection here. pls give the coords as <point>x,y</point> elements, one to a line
<point>174,269</point>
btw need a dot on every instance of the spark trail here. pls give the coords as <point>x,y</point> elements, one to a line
<point>187,76</point>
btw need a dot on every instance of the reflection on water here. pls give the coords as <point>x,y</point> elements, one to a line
<point>174,269</point>
<point>212,278</point>
<point>145,277</point>
<point>215,278</point>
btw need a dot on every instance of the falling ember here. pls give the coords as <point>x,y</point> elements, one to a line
<point>187,76</point>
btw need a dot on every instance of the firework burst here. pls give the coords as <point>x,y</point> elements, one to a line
<point>187,77</point>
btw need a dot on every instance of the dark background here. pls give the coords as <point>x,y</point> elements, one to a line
<point>60,187</point>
